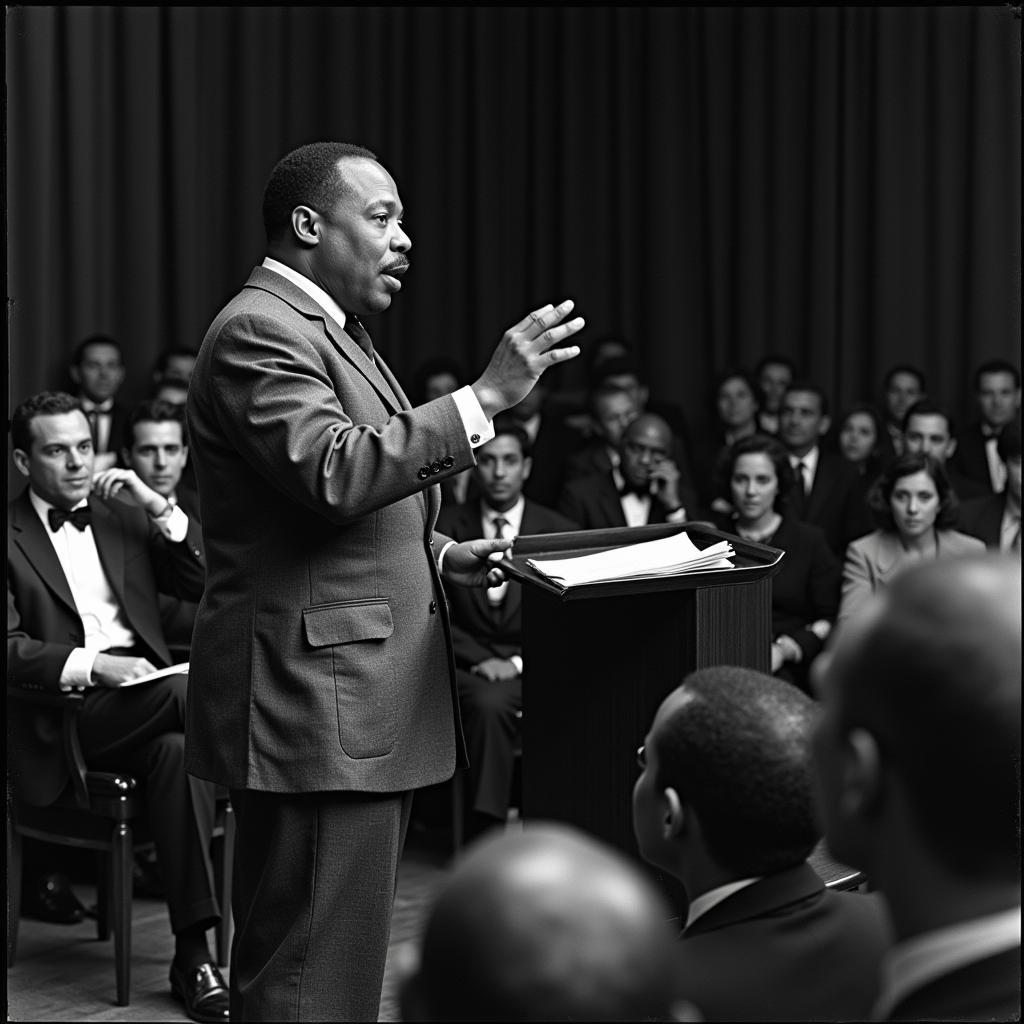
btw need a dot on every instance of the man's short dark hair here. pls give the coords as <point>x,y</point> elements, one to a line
<point>615,366</point>
<point>811,388</point>
<point>774,359</point>
<point>78,355</point>
<point>435,366</point>
<point>307,176</point>
<point>45,403</point>
<point>880,493</point>
<point>605,389</point>
<point>996,366</point>
<point>739,753</point>
<point>926,407</point>
<point>506,424</point>
<point>904,368</point>
<point>154,410</point>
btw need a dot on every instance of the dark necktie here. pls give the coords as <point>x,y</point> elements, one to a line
<point>804,470</point>
<point>357,332</point>
<point>94,419</point>
<point>80,518</point>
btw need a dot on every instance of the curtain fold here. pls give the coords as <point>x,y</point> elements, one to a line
<point>840,185</point>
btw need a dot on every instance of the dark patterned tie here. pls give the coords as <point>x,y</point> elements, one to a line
<point>357,332</point>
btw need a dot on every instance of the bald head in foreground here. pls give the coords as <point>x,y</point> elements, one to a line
<point>547,924</point>
<point>918,758</point>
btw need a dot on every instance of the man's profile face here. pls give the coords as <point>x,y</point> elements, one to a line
<point>998,398</point>
<point>613,413</point>
<point>501,471</point>
<point>645,444</point>
<point>902,391</point>
<point>60,461</point>
<point>801,422</point>
<point>158,454</point>
<point>100,372</point>
<point>361,252</point>
<point>929,433</point>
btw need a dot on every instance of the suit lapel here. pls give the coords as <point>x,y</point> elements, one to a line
<point>30,535</point>
<point>106,529</point>
<point>610,502</point>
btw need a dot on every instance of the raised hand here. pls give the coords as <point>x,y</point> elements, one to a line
<point>127,486</point>
<point>523,354</point>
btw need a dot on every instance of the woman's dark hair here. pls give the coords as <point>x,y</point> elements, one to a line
<point>756,444</point>
<point>880,494</point>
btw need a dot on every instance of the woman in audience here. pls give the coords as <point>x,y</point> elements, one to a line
<point>757,475</point>
<point>734,415</point>
<point>860,435</point>
<point>915,509</point>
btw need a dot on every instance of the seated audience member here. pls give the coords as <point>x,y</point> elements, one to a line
<point>997,392</point>
<point>805,591</point>
<point>174,363</point>
<point>173,390</point>
<point>612,409</point>
<point>487,623</point>
<point>773,374</point>
<point>71,624</point>
<point>918,763</point>
<point>97,371</point>
<point>859,439</point>
<point>915,510</point>
<point>902,387</point>
<point>995,518</point>
<point>545,925</point>
<point>435,378</point>
<point>156,450</point>
<point>645,487</point>
<point>725,803</point>
<point>929,428</point>
<point>736,404</point>
<point>829,492</point>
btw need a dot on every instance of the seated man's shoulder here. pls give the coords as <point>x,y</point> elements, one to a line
<point>541,519</point>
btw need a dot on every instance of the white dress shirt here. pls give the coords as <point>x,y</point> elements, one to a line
<point>514,518</point>
<point>913,963</point>
<point>636,508</point>
<point>706,900</point>
<point>103,621</point>
<point>810,461</point>
<point>996,466</point>
<point>104,419</point>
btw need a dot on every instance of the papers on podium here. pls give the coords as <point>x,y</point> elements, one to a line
<point>653,559</point>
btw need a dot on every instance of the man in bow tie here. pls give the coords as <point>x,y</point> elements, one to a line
<point>97,369</point>
<point>86,557</point>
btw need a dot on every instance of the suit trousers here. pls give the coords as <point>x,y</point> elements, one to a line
<point>140,729</point>
<point>313,890</point>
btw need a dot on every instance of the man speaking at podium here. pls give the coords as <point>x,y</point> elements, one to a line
<point>322,685</point>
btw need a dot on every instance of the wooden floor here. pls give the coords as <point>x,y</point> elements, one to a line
<point>63,973</point>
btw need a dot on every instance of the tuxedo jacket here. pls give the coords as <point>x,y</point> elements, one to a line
<point>836,503</point>
<point>321,655</point>
<point>481,630</point>
<point>873,561</point>
<point>43,624</point>
<point>785,948</point>
<point>987,989</point>
<point>983,518</point>
<point>970,459</point>
<point>593,502</point>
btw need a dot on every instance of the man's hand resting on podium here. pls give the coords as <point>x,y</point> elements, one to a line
<point>469,563</point>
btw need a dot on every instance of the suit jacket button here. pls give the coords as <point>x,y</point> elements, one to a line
<point>435,466</point>
<point>424,472</point>
<point>433,607</point>
<point>448,462</point>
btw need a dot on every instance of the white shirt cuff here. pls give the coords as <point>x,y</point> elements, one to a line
<point>173,525</point>
<point>517,661</point>
<point>440,557</point>
<point>479,429</point>
<point>679,516</point>
<point>77,669</point>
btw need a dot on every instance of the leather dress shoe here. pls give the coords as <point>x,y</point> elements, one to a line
<point>204,992</point>
<point>50,898</point>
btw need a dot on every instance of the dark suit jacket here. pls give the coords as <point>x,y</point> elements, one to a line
<point>555,442</point>
<point>785,948</point>
<point>481,630</point>
<point>970,459</point>
<point>836,503</point>
<point>987,989</point>
<point>321,653</point>
<point>593,502</point>
<point>983,518</point>
<point>43,624</point>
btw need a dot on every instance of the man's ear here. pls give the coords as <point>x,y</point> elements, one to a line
<point>305,225</point>
<point>824,426</point>
<point>675,814</point>
<point>21,461</point>
<point>527,467</point>
<point>862,774</point>
<point>126,457</point>
<point>75,374</point>
<point>950,447</point>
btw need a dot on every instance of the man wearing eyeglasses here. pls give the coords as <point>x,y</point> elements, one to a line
<point>645,487</point>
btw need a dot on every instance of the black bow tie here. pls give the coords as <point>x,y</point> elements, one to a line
<point>79,518</point>
<point>640,490</point>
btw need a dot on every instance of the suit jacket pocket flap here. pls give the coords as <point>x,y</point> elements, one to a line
<point>347,623</point>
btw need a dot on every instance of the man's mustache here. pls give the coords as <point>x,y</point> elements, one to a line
<point>400,262</point>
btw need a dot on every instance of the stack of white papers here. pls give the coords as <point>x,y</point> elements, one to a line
<point>670,556</point>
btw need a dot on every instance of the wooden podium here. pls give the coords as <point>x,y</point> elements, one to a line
<point>599,659</point>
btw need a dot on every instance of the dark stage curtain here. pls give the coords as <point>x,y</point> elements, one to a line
<point>841,185</point>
